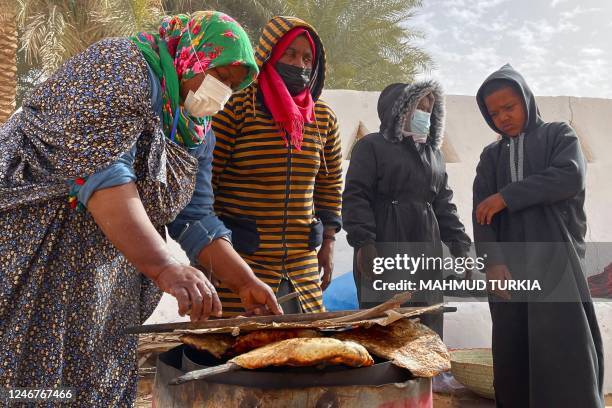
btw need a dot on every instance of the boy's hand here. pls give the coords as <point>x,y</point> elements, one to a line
<point>488,208</point>
<point>498,273</point>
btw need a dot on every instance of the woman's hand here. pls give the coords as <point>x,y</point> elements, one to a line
<point>365,262</point>
<point>194,293</point>
<point>120,214</point>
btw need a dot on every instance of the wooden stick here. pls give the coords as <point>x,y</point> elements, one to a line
<point>240,321</point>
<point>236,321</point>
<point>393,303</point>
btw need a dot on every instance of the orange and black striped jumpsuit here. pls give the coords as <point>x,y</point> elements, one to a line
<point>271,195</point>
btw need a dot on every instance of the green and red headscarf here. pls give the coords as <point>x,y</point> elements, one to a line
<point>186,46</point>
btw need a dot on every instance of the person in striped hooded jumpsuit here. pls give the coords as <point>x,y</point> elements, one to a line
<point>277,169</point>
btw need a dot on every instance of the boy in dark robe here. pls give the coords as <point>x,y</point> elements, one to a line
<point>530,222</point>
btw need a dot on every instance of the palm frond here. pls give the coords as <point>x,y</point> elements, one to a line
<point>368,42</point>
<point>55,30</point>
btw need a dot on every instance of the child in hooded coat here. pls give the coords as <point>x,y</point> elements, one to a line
<point>530,222</point>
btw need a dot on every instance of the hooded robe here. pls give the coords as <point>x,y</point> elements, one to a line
<point>547,348</point>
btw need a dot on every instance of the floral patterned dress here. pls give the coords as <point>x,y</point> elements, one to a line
<point>66,293</point>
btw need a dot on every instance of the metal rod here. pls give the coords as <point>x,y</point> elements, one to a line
<point>204,373</point>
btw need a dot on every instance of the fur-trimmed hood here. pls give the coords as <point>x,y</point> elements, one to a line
<point>398,99</point>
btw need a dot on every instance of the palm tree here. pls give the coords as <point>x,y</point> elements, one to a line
<point>55,30</point>
<point>8,58</point>
<point>367,41</point>
<point>368,44</point>
<point>252,14</point>
<point>28,76</point>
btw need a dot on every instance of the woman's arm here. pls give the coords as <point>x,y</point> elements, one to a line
<point>358,216</point>
<point>120,214</point>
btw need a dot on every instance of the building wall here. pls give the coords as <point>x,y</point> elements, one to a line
<point>468,134</point>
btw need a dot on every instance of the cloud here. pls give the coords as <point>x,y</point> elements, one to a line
<point>424,22</point>
<point>467,15</point>
<point>488,4</point>
<point>470,12</point>
<point>579,10</point>
<point>461,36</point>
<point>562,51</point>
<point>547,31</point>
<point>535,37</point>
<point>581,77</point>
<point>499,24</point>
<point>484,58</point>
<point>592,52</point>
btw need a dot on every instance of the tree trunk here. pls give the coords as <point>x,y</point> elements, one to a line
<point>8,58</point>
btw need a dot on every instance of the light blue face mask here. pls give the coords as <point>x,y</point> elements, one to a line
<point>420,122</point>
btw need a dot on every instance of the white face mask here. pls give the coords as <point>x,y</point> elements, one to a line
<point>209,98</point>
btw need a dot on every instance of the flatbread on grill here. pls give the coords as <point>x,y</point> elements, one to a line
<point>306,352</point>
<point>226,345</point>
<point>216,344</point>
<point>260,338</point>
<point>406,344</point>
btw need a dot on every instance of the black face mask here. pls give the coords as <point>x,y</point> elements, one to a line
<point>295,78</point>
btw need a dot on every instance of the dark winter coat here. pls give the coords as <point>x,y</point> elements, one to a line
<point>396,193</point>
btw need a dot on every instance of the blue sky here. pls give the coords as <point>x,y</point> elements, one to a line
<point>562,47</point>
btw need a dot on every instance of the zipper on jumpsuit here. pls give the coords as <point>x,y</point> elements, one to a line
<point>286,211</point>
